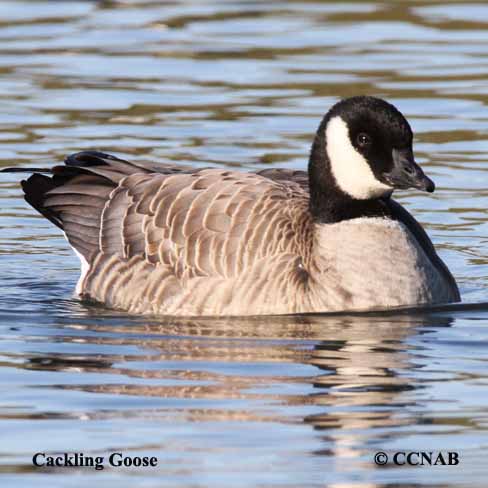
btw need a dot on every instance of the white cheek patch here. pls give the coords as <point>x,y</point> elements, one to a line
<point>351,171</point>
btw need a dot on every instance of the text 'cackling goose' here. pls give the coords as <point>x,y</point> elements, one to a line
<point>162,239</point>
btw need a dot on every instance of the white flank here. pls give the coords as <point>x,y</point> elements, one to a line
<point>85,267</point>
<point>349,168</point>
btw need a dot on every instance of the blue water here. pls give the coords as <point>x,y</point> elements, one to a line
<point>265,402</point>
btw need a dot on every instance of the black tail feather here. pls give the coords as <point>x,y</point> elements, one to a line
<point>72,196</point>
<point>80,189</point>
<point>89,158</point>
<point>35,189</point>
<point>26,170</point>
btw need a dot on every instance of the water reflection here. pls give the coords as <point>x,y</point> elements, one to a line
<point>343,385</point>
<point>352,369</point>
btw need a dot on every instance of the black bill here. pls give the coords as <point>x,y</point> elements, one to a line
<point>406,173</point>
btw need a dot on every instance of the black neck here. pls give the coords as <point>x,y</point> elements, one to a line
<point>328,203</point>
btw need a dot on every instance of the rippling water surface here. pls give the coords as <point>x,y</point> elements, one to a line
<point>298,402</point>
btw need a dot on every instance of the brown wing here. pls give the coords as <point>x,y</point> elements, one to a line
<point>196,222</point>
<point>207,223</point>
<point>75,196</point>
<point>187,237</point>
<point>286,176</point>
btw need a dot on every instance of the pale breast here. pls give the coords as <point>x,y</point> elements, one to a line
<point>374,263</point>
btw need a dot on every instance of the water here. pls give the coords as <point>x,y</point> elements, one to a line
<point>271,402</point>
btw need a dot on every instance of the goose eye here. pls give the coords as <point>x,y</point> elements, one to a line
<point>363,140</point>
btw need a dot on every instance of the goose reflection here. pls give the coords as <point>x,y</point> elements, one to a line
<point>343,375</point>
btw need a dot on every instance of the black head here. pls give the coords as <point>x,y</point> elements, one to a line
<point>364,145</point>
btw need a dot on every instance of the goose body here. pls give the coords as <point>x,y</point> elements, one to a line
<point>161,239</point>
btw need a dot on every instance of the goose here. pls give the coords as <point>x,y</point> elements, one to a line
<point>178,241</point>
